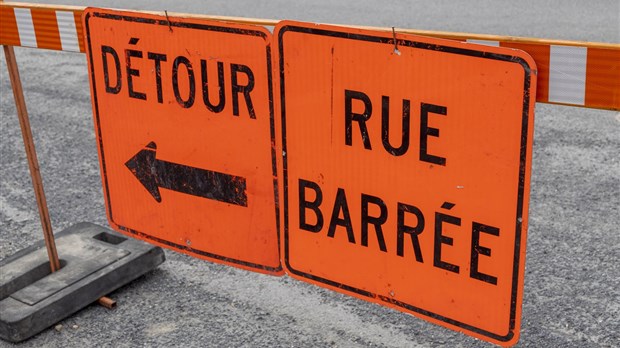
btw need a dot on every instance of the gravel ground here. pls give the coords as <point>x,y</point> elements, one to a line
<point>572,290</point>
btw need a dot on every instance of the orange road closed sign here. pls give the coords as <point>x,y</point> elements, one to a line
<point>184,123</point>
<point>406,172</point>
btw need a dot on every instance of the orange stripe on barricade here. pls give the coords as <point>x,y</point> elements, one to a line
<point>8,27</point>
<point>540,53</point>
<point>77,17</point>
<point>46,29</point>
<point>603,78</point>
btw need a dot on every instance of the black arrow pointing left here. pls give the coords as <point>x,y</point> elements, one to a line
<point>154,174</point>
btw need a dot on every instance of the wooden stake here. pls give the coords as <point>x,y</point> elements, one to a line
<point>31,154</point>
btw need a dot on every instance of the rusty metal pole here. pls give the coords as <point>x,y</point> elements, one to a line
<point>31,154</point>
<point>107,302</point>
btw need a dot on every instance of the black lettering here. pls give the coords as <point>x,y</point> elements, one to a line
<point>314,206</point>
<point>377,221</point>
<point>442,239</point>
<point>350,116</point>
<point>158,58</point>
<point>186,103</point>
<point>477,249</point>
<point>413,231</point>
<point>426,131</point>
<point>131,73</point>
<point>341,205</point>
<point>220,82</point>
<point>105,50</point>
<point>236,88</point>
<point>385,127</point>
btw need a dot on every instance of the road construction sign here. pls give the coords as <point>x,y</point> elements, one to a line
<point>184,123</point>
<point>406,171</point>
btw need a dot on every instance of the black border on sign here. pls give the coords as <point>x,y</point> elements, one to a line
<point>522,165</point>
<point>238,31</point>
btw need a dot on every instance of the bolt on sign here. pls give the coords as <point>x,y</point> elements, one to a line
<point>406,171</point>
<point>184,122</point>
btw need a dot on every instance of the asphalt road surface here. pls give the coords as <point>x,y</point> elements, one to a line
<point>572,279</point>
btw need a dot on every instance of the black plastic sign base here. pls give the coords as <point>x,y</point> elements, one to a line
<point>94,262</point>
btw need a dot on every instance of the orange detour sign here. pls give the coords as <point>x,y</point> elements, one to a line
<point>184,121</point>
<point>406,172</point>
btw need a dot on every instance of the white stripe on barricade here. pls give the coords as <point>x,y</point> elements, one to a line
<point>68,31</point>
<point>25,27</point>
<point>484,42</point>
<point>567,74</point>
